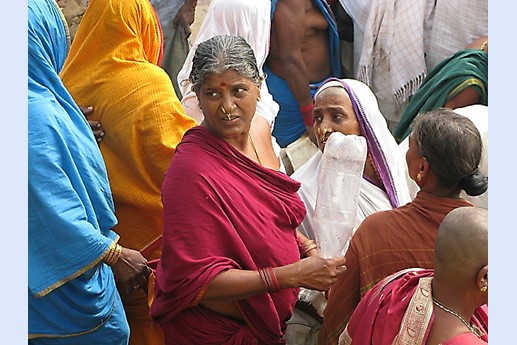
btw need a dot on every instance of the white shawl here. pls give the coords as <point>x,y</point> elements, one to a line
<point>252,21</point>
<point>371,198</point>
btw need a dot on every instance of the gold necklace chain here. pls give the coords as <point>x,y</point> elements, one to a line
<point>472,328</point>
<point>254,149</point>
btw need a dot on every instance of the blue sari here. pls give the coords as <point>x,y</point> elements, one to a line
<point>70,208</point>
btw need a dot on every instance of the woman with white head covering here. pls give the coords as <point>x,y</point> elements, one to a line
<point>383,184</point>
<point>347,106</point>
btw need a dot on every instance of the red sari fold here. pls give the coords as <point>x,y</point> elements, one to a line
<point>399,310</point>
<point>223,211</point>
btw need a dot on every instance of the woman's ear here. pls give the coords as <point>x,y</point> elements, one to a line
<point>423,170</point>
<point>482,279</point>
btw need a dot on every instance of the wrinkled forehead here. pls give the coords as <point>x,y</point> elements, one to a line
<point>226,77</point>
<point>333,94</point>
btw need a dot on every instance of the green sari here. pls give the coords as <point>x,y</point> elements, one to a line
<point>468,67</point>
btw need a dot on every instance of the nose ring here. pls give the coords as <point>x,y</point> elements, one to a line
<point>228,113</point>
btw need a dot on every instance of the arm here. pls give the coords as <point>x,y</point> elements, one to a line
<point>307,245</point>
<point>313,273</point>
<point>465,97</point>
<point>288,28</point>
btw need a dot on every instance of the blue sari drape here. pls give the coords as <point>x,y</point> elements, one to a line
<point>70,208</point>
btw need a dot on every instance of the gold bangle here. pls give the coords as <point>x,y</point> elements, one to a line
<point>113,255</point>
<point>307,246</point>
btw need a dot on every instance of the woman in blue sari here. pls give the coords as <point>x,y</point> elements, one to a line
<point>72,298</point>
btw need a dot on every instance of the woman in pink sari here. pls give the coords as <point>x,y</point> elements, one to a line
<point>447,305</point>
<point>230,267</point>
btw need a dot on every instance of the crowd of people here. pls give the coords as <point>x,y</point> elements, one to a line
<point>175,186</point>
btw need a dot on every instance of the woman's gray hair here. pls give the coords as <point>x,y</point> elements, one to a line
<point>452,145</point>
<point>222,53</point>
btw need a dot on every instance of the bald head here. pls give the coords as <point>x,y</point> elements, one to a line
<point>462,243</point>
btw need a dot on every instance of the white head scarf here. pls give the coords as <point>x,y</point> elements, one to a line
<point>381,144</point>
<point>252,21</point>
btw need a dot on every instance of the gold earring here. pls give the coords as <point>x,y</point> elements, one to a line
<point>484,288</point>
<point>419,176</point>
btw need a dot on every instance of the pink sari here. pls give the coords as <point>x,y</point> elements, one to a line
<point>223,211</point>
<point>399,310</point>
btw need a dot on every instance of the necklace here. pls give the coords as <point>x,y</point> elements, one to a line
<point>472,328</point>
<point>254,149</point>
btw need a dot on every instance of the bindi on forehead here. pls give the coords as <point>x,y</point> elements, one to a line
<point>222,84</point>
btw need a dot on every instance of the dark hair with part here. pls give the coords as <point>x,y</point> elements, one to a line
<point>452,145</point>
<point>222,53</point>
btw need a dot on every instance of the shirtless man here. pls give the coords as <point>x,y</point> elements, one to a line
<point>304,51</point>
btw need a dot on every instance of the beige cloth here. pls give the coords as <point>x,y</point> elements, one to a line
<point>297,153</point>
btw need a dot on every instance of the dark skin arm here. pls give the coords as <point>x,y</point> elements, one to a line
<point>232,285</point>
<point>466,97</point>
<point>469,95</point>
<point>313,273</point>
<point>288,27</point>
<point>131,270</point>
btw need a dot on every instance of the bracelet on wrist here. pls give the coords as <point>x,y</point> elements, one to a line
<point>307,246</point>
<point>113,254</point>
<point>268,277</point>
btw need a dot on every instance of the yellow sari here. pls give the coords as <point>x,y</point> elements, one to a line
<point>113,65</point>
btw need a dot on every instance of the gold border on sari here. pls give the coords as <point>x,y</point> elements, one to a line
<point>77,273</point>
<point>417,316</point>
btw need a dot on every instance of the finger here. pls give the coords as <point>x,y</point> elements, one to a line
<point>99,136</point>
<point>86,110</point>
<point>339,261</point>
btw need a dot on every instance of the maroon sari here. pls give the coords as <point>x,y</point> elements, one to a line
<point>223,211</point>
<point>399,310</point>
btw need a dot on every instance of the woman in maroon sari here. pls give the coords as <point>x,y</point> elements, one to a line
<point>230,267</point>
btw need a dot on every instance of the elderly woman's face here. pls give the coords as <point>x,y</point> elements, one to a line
<point>228,101</point>
<point>333,112</point>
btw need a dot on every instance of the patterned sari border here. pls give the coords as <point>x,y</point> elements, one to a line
<point>418,314</point>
